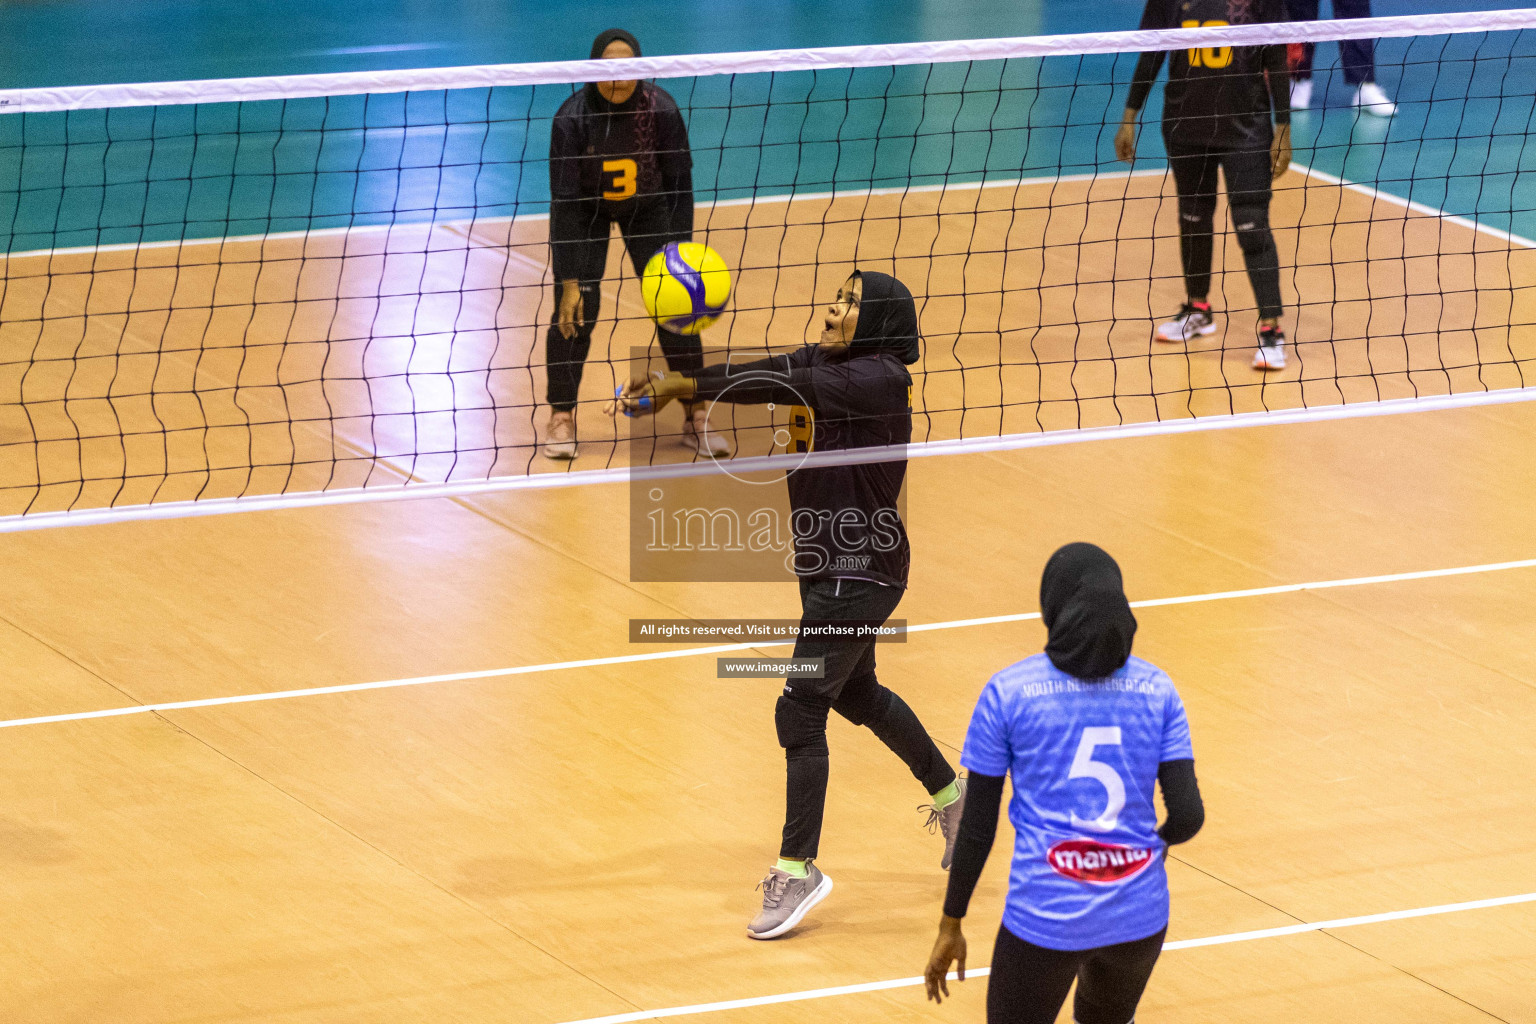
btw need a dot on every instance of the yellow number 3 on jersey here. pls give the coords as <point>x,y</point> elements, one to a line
<point>1209,56</point>
<point>624,174</point>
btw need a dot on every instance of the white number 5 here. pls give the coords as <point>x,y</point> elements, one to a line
<point>1085,767</point>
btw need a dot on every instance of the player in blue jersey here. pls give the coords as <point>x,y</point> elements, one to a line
<point>1087,732</point>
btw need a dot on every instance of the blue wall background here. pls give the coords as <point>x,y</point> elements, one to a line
<point>122,176</point>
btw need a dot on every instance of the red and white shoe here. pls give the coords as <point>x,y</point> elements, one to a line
<point>1195,320</point>
<point>1271,351</point>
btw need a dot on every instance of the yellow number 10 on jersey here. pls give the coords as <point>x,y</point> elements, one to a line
<point>1209,56</point>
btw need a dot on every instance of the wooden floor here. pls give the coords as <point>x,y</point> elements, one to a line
<point>556,846</point>
<point>337,360</point>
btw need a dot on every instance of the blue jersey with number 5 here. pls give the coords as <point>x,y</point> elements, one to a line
<point>1083,756</point>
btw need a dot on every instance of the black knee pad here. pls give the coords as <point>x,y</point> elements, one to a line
<point>802,726</point>
<point>1252,226</point>
<point>863,705</point>
<point>1197,213</point>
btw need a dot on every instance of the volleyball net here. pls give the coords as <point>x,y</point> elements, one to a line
<point>327,287</point>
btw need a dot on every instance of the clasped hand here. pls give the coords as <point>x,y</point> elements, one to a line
<point>647,394</point>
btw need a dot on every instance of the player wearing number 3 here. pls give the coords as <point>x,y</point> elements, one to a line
<point>618,154</point>
<point>1087,732</point>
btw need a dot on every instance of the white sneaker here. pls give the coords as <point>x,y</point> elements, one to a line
<point>560,436</point>
<point>1271,351</point>
<point>698,436</point>
<point>1191,322</point>
<point>1371,100</point>
<point>1301,93</point>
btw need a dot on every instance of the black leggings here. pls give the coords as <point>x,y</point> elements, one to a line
<point>645,226</point>
<point>850,688</point>
<point>1248,195</point>
<point>1029,982</point>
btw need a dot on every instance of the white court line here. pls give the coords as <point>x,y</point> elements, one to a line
<point>982,972</point>
<point>465,225</point>
<point>690,652</point>
<point>1415,206</point>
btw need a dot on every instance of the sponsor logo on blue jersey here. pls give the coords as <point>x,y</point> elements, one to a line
<point>1083,756</point>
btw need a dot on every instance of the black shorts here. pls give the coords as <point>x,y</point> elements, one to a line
<point>1029,982</point>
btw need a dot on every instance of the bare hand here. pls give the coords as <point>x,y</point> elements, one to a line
<point>1125,139</point>
<point>1280,151</point>
<point>569,314</point>
<point>659,388</point>
<point>628,400</point>
<point>948,948</point>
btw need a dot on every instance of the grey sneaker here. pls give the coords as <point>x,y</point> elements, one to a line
<point>947,821</point>
<point>787,899</point>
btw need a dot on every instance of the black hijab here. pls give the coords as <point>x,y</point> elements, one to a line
<point>1082,602</point>
<point>595,99</point>
<point>887,318</point>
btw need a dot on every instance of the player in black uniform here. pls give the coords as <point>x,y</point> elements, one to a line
<point>1217,112</point>
<point>851,555</point>
<point>618,154</point>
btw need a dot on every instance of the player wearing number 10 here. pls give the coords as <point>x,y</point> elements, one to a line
<point>1087,732</point>
<point>618,154</point>
<point>1225,107</point>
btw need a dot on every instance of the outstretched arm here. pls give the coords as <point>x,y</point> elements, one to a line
<point>774,379</point>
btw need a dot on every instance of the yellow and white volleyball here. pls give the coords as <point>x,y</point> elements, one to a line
<point>686,286</point>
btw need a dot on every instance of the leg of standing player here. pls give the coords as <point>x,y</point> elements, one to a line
<point>1111,979</point>
<point>1249,175</point>
<point>568,340</point>
<point>1359,59</point>
<point>848,685</point>
<point>1301,69</point>
<point>1029,983</point>
<point>645,233</point>
<point>1195,179</point>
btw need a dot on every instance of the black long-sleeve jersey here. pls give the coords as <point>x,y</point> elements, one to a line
<point>847,518</point>
<point>1220,97</point>
<point>606,158</point>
